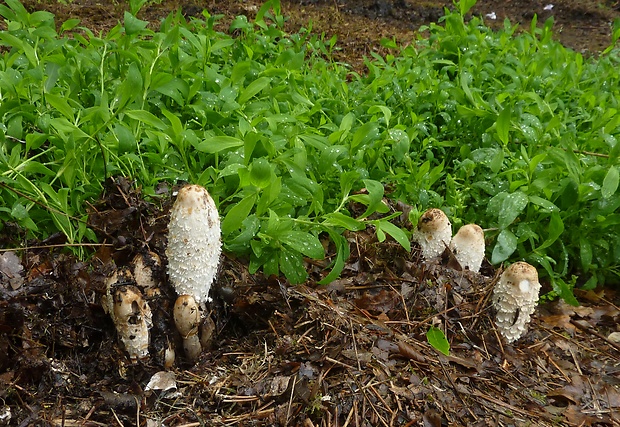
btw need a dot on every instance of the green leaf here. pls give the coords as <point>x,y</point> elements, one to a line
<point>126,139</point>
<point>253,88</point>
<point>342,254</point>
<point>502,125</point>
<point>146,117</point>
<point>374,198</point>
<point>555,229</point>
<point>610,183</point>
<point>364,134</point>
<point>338,219</point>
<point>133,25</point>
<point>398,234</point>
<point>238,213</point>
<point>292,265</point>
<point>303,242</point>
<point>438,341</point>
<point>215,144</point>
<point>261,174</point>
<point>512,206</point>
<point>60,104</point>
<point>505,246</point>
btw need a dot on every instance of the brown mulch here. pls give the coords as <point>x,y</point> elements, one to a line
<point>353,353</point>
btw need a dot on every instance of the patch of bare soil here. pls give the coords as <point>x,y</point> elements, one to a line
<point>584,25</point>
<point>353,353</point>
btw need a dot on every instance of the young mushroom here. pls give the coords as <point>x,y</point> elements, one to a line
<point>130,312</point>
<point>187,320</point>
<point>514,297</point>
<point>193,252</point>
<point>433,233</point>
<point>468,247</point>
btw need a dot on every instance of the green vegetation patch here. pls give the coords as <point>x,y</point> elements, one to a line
<point>511,131</point>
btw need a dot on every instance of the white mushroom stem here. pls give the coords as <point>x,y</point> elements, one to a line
<point>433,233</point>
<point>194,245</point>
<point>515,296</point>
<point>468,247</point>
<point>187,320</point>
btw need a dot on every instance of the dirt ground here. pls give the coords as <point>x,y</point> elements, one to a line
<point>584,25</point>
<point>354,353</point>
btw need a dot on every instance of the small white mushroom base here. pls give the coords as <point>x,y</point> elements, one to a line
<point>515,297</point>
<point>133,319</point>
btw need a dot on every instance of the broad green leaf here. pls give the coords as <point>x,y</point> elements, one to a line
<point>303,242</point>
<point>126,139</point>
<point>60,104</point>
<point>438,341</point>
<point>342,254</point>
<point>555,230</point>
<point>133,25</point>
<point>292,265</point>
<point>252,89</point>
<point>238,213</point>
<point>215,144</point>
<point>366,133</point>
<point>512,206</point>
<point>398,234</point>
<point>505,246</point>
<point>610,183</point>
<point>261,174</point>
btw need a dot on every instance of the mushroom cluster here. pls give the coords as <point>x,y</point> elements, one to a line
<point>193,252</point>
<point>194,248</point>
<point>434,234</point>
<point>515,297</point>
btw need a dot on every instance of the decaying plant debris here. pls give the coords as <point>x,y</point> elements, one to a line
<point>353,353</point>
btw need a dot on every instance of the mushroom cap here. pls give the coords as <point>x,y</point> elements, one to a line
<point>186,316</point>
<point>433,233</point>
<point>194,243</point>
<point>468,247</point>
<point>515,296</point>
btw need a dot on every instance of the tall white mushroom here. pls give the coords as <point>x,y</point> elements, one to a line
<point>194,248</point>
<point>468,247</point>
<point>433,233</point>
<point>515,296</point>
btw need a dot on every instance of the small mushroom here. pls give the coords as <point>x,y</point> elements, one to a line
<point>514,297</point>
<point>146,268</point>
<point>433,233</point>
<point>187,320</point>
<point>130,312</point>
<point>193,252</point>
<point>468,247</point>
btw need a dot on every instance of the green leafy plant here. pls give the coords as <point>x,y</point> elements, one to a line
<point>509,130</point>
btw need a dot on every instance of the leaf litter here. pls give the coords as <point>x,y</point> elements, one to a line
<point>352,353</point>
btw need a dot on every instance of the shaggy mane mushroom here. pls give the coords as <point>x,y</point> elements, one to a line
<point>468,247</point>
<point>433,233</point>
<point>194,248</point>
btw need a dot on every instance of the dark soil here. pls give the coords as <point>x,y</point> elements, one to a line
<point>354,353</point>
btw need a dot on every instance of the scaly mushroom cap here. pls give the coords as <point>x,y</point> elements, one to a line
<point>194,245</point>
<point>515,297</point>
<point>468,247</point>
<point>145,267</point>
<point>433,233</point>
